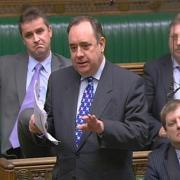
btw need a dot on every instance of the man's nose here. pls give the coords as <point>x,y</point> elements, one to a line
<point>178,40</point>
<point>178,123</point>
<point>79,52</point>
<point>35,37</point>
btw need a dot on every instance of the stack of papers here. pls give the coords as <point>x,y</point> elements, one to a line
<point>41,116</point>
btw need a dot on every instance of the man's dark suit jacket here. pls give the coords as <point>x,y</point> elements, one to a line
<point>119,101</point>
<point>158,75</point>
<point>13,74</point>
<point>163,164</point>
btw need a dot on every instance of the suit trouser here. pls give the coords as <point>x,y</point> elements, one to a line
<point>31,146</point>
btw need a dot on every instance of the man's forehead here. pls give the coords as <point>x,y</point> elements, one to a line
<point>174,113</point>
<point>175,28</point>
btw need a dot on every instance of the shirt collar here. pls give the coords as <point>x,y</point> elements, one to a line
<point>175,64</point>
<point>46,63</point>
<point>97,75</point>
<point>178,153</point>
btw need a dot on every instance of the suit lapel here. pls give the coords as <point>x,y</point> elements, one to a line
<point>101,98</point>
<point>55,63</point>
<point>21,74</point>
<point>71,96</point>
<point>103,91</point>
<point>172,164</point>
<point>167,76</point>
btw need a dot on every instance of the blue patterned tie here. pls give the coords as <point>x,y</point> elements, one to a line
<point>28,102</point>
<point>84,108</point>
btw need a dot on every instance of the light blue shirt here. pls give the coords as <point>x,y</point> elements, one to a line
<point>44,75</point>
<point>84,83</point>
<point>176,76</point>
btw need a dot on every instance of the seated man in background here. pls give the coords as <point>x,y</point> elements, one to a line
<point>162,83</point>
<point>96,110</point>
<point>164,162</point>
<point>17,75</point>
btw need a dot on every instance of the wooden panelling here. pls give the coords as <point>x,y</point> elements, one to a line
<point>41,168</point>
<point>140,159</point>
<point>89,7</point>
<point>27,169</point>
<point>134,67</point>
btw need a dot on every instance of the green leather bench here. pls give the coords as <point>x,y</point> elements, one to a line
<point>130,38</point>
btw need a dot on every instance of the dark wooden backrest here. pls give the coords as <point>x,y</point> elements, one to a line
<point>134,67</point>
<point>41,168</point>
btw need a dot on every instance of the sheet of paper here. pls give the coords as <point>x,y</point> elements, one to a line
<point>41,116</point>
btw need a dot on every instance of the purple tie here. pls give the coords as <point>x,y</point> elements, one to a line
<point>28,102</point>
<point>84,108</point>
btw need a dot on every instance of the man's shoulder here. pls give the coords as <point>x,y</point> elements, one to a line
<point>12,58</point>
<point>158,62</point>
<point>64,62</point>
<point>6,56</point>
<point>121,77</point>
<point>122,72</point>
<point>65,71</point>
<point>59,56</point>
<point>160,151</point>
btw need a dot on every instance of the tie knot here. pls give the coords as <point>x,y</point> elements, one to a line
<point>38,67</point>
<point>90,79</point>
<point>178,67</point>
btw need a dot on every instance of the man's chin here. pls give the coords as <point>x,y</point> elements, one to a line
<point>41,55</point>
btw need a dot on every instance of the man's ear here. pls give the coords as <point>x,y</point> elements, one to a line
<point>102,43</point>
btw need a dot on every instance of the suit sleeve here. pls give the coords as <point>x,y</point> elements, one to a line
<point>131,132</point>
<point>48,107</point>
<point>154,124</point>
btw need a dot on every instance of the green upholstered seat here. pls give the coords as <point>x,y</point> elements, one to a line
<point>130,38</point>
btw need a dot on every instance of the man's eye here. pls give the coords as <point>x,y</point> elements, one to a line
<point>174,37</point>
<point>28,35</point>
<point>73,48</point>
<point>39,31</point>
<point>170,124</point>
<point>85,46</point>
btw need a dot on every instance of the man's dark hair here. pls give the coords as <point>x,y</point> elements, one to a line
<point>170,106</point>
<point>31,13</point>
<point>176,20</point>
<point>94,23</point>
